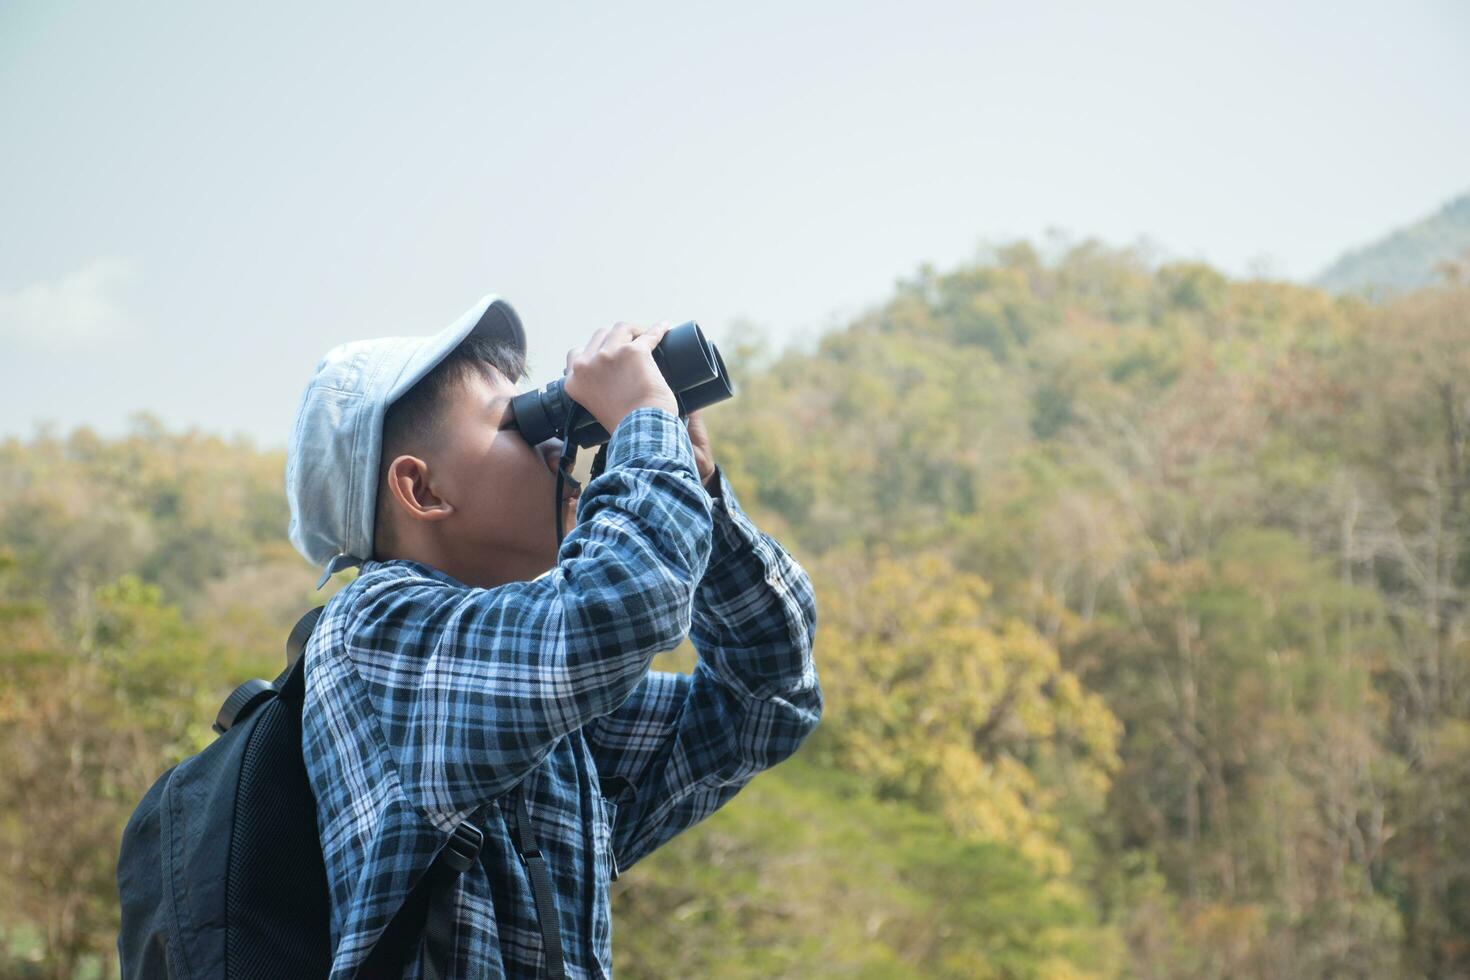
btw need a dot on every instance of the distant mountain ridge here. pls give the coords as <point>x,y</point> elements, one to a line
<point>1405,259</point>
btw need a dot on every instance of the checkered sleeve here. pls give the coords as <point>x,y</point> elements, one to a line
<point>473,686</point>
<point>687,743</point>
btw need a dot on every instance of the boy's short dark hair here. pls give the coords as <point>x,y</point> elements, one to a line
<point>413,423</point>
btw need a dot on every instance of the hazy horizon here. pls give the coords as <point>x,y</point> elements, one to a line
<point>198,206</point>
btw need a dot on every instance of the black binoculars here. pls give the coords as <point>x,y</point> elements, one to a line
<point>690,364</point>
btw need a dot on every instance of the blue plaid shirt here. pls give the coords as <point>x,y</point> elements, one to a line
<point>427,700</point>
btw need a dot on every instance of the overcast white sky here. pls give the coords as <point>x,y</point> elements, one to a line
<point>197,200</point>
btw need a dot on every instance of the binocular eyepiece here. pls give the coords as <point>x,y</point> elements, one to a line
<point>690,364</point>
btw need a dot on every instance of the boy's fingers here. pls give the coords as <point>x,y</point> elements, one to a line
<point>599,336</point>
<point>552,451</point>
<point>621,333</point>
<point>651,337</point>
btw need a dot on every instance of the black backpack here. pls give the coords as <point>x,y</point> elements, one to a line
<point>220,873</point>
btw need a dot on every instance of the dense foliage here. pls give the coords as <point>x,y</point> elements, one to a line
<point>1142,627</point>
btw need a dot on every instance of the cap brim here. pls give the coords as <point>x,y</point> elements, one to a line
<point>491,317</point>
<point>500,322</point>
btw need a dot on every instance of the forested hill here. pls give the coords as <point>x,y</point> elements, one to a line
<point>1160,579</point>
<point>1142,631</point>
<point>1406,259</point>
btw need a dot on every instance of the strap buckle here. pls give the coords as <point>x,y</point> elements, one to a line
<point>463,847</point>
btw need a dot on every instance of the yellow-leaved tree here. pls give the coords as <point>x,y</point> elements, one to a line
<point>936,701</point>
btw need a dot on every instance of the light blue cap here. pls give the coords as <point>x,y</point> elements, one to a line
<point>336,442</point>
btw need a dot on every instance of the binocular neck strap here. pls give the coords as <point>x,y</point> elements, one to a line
<point>564,466</point>
<point>567,461</point>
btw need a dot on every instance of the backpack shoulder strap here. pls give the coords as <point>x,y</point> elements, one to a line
<point>427,913</point>
<point>300,633</point>
<point>540,885</point>
<point>291,684</point>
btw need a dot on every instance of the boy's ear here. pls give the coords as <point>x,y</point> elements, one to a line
<point>408,481</point>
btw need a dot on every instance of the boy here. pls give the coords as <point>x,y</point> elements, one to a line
<point>471,660</point>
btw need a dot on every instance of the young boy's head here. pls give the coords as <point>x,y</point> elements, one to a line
<point>460,489</point>
<point>402,448</point>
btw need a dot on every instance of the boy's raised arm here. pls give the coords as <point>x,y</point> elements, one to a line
<point>687,743</point>
<point>473,687</point>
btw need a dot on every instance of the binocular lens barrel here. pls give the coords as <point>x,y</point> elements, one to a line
<point>690,364</point>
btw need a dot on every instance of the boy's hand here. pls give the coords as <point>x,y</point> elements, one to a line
<point>615,373</point>
<point>703,457</point>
